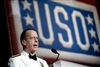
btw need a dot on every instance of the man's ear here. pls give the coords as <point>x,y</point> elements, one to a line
<point>23,42</point>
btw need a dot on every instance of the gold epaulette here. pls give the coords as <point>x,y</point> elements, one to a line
<point>15,55</point>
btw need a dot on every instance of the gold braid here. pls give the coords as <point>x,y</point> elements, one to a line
<point>41,64</point>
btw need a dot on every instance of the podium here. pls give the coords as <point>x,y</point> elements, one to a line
<point>62,63</point>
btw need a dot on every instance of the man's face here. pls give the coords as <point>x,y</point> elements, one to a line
<point>31,41</point>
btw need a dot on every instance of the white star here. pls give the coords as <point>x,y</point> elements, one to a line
<point>26,5</point>
<point>95,47</point>
<point>89,19</point>
<point>28,20</point>
<point>92,33</point>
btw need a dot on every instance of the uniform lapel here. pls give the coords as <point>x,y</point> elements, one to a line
<point>25,59</point>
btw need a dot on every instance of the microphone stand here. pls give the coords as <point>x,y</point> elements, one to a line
<point>57,57</point>
<point>54,51</point>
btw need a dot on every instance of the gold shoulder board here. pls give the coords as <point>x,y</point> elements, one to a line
<point>15,55</point>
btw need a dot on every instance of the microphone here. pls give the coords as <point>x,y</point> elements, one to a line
<point>55,51</point>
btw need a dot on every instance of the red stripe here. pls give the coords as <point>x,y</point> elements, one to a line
<point>11,29</point>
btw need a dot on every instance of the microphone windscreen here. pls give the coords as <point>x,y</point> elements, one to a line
<point>54,51</point>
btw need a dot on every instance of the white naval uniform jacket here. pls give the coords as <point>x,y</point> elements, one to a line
<point>23,60</point>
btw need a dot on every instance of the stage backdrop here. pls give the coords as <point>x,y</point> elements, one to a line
<point>70,27</point>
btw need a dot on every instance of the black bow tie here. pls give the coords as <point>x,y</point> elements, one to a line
<point>33,57</point>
